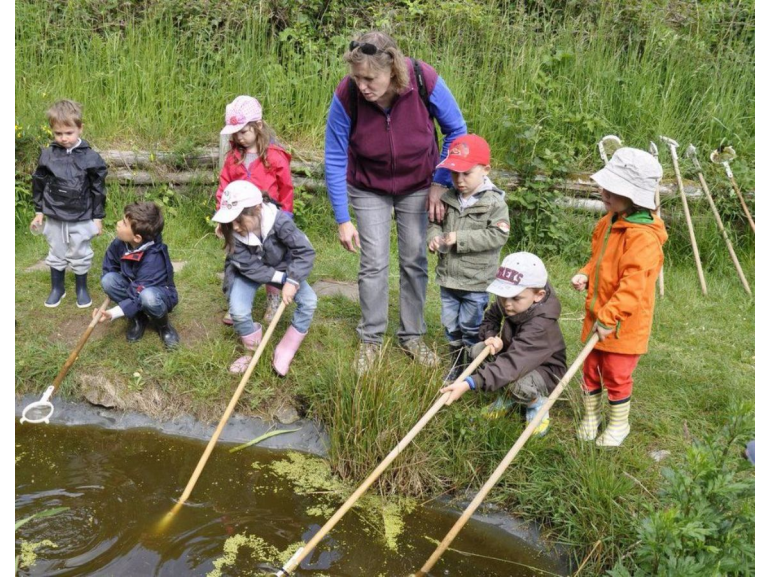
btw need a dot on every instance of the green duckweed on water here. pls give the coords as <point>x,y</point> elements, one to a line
<point>313,476</point>
<point>261,552</point>
<point>28,554</point>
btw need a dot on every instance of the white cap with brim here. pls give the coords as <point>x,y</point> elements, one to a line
<point>518,271</point>
<point>236,196</point>
<point>631,173</point>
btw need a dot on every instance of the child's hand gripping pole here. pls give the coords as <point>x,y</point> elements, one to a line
<point>533,424</point>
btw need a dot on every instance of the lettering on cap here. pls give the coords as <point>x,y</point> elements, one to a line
<point>509,275</point>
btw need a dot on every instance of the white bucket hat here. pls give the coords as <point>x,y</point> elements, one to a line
<point>632,173</point>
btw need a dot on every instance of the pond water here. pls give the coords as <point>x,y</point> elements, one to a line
<point>118,485</point>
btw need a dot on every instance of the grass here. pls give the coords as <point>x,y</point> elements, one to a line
<point>701,359</point>
<point>532,83</point>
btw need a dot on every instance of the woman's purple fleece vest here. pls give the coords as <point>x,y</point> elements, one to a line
<point>392,152</point>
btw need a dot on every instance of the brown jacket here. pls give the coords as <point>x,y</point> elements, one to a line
<point>532,341</point>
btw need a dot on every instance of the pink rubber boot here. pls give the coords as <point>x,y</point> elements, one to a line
<point>286,349</point>
<point>250,343</point>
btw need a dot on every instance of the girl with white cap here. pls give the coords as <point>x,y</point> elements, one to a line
<point>255,156</point>
<point>264,246</point>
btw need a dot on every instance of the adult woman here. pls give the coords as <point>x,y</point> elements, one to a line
<point>380,155</point>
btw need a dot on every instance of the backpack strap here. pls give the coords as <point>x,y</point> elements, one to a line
<point>421,88</point>
<point>423,91</point>
<point>352,103</point>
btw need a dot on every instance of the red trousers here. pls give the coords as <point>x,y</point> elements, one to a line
<point>611,369</point>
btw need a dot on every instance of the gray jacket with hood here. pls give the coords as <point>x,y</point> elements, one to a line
<point>283,249</point>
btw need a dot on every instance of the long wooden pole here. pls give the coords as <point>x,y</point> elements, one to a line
<point>661,288</point>
<point>740,196</point>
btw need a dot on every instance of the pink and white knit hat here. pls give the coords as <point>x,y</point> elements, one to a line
<point>240,112</point>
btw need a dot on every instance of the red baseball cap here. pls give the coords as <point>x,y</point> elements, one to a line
<point>465,152</point>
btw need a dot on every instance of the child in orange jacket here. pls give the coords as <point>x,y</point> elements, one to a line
<point>626,258</point>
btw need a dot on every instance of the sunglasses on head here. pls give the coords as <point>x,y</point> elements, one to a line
<point>365,47</point>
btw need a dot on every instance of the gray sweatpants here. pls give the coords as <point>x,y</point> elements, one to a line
<point>69,243</point>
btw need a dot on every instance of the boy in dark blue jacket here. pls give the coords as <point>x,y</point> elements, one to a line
<point>137,274</point>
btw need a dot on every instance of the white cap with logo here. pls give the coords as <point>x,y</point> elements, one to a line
<point>236,196</point>
<point>518,271</point>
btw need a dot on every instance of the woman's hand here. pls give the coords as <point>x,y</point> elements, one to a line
<point>436,208</point>
<point>349,236</point>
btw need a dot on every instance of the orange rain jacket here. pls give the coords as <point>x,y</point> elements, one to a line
<point>626,258</point>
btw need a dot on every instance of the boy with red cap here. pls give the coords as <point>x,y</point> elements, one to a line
<point>468,241</point>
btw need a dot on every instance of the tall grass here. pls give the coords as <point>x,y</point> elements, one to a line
<point>525,81</point>
<point>541,87</point>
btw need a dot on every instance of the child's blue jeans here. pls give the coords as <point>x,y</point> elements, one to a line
<point>461,314</point>
<point>116,287</point>
<point>241,297</point>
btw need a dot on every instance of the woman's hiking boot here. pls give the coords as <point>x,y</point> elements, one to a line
<point>136,327</point>
<point>618,428</point>
<point>250,343</point>
<point>82,297</point>
<point>589,426</point>
<point>366,357</point>
<point>419,351</point>
<point>286,349</point>
<point>57,289</point>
